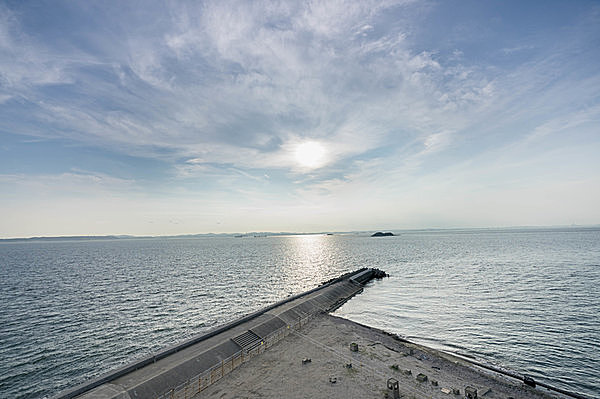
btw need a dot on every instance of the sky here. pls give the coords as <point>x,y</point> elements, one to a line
<point>175,117</point>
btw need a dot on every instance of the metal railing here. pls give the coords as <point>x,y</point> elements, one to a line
<point>196,384</point>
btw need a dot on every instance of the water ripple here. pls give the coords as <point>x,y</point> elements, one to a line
<point>525,300</point>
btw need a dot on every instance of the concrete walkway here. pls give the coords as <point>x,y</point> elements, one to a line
<point>207,358</point>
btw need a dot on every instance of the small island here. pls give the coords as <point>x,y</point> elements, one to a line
<point>381,234</point>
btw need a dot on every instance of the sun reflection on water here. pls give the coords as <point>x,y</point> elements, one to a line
<point>313,256</point>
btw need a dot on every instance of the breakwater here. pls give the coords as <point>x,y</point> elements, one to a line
<point>186,368</point>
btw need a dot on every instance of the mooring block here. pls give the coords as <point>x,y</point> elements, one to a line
<point>393,388</point>
<point>470,392</point>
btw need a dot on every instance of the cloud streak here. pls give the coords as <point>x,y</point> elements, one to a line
<point>236,76</point>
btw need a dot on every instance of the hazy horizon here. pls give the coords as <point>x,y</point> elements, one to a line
<point>321,232</point>
<point>220,116</point>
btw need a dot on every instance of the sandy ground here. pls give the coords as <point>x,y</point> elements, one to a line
<point>279,372</point>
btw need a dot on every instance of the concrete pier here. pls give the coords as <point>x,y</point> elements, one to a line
<point>189,367</point>
<point>295,349</point>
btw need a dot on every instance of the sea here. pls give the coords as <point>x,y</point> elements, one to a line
<point>527,300</point>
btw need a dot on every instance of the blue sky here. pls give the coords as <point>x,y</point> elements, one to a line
<point>157,118</point>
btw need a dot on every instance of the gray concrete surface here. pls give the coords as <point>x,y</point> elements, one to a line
<point>156,375</point>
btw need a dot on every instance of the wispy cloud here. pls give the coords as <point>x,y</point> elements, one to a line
<point>250,77</point>
<point>66,184</point>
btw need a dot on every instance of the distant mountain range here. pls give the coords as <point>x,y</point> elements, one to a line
<point>118,237</point>
<point>286,233</point>
<point>66,238</point>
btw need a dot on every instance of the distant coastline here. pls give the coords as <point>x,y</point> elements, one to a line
<point>329,233</point>
<point>66,238</point>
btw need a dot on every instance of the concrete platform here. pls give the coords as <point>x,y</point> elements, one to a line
<point>280,371</point>
<point>207,358</point>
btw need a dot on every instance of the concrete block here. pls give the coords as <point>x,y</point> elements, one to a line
<point>470,392</point>
<point>393,388</point>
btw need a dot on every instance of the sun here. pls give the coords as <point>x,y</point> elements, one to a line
<point>310,154</point>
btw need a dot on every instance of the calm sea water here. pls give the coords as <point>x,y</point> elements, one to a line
<point>528,300</point>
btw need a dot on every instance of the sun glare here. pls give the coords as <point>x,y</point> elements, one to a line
<point>310,154</point>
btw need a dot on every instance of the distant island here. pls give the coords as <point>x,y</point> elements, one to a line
<point>381,234</point>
